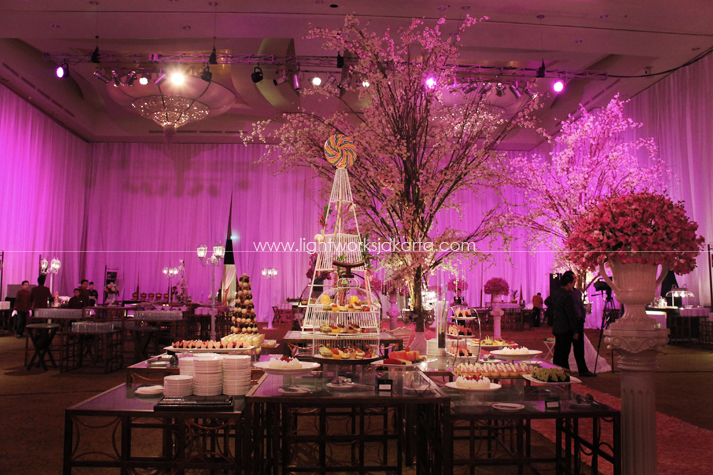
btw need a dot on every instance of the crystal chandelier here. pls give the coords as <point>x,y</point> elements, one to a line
<point>172,105</point>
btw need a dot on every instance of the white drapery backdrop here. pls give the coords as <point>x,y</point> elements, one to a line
<point>42,177</point>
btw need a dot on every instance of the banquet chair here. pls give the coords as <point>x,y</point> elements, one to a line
<point>151,296</point>
<point>143,296</point>
<point>165,297</point>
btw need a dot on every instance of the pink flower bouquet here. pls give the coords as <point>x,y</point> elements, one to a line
<point>642,228</point>
<point>457,284</point>
<point>496,286</point>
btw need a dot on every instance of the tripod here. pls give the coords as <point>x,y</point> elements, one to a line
<point>608,316</point>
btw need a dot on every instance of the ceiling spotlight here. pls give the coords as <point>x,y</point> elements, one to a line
<point>62,71</point>
<point>365,83</point>
<point>431,82</point>
<point>177,78</point>
<point>95,56</point>
<point>206,75</point>
<point>256,76</point>
<point>101,76</point>
<point>296,82</point>
<point>486,87</point>
<point>281,79</point>
<point>499,90</point>
<point>529,91</point>
<point>316,81</point>
<point>160,78</point>
<point>541,71</point>
<point>515,91</point>
<point>116,78</point>
<point>144,79</point>
<point>213,58</point>
<point>558,86</point>
<point>470,88</point>
<point>130,78</point>
<point>330,80</point>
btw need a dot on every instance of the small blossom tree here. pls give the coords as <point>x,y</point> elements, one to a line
<point>416,152</point>
<point>592,161</point>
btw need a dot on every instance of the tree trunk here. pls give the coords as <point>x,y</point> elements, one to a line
<point>418,315</point>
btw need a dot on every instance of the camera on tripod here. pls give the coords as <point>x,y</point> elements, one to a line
<point>602,286</point>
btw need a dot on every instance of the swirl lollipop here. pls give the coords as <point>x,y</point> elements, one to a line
<point>340,151</point>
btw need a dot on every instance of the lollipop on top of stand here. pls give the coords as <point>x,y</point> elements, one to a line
<point>340,151</point>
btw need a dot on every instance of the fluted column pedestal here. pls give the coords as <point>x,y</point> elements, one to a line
<point>636,352</point>
<point>497,314</point>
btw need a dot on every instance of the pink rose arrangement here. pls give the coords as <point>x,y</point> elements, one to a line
<point>457,284</point>
<point>642,228</point>
<point>496,286</point>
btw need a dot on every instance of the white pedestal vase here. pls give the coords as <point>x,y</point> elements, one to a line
<point>497,314</point>
<point>394,311</point>
<point>636,341</point>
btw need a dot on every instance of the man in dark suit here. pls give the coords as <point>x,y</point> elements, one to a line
<point>565,320</point>
<point>578,343</point>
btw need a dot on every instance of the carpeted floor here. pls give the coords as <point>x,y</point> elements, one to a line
<point>32,404</point>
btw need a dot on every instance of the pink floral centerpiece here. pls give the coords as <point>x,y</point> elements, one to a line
<point>496,286</point>
<point>634,234</point>
<point>457,284</point>
<point>636,228</point>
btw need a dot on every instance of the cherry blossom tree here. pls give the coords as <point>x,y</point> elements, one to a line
<point>421,140</point>
<point>592,160</point>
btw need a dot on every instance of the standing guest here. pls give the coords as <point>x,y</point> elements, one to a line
<point>537,307</point>
<point>41,295</point>
<point>565,323</point>
<point>93,295</point>
<point>84,292</point>
<point>578,343</point>
<point>23,303</point>
<point>76,301</point>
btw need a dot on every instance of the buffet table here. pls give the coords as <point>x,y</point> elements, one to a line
<point>299,339</point>
<point>110,431</point>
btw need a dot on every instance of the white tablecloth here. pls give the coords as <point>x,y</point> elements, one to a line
<point>158,315</point>
<point>590,357</point>
<point>695,312</point>
<point>68,313</point>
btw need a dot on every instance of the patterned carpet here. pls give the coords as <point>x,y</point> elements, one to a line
<point>683,448</point>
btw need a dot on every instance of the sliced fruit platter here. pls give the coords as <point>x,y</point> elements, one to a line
<point>488,342</point>
<point>348,354</point>
<point>493,370</point>
<point>401,358</point>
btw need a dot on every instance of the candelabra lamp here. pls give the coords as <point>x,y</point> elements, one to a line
<point>213,261</point>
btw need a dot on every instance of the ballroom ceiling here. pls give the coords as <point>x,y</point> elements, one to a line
<point>621,38</point>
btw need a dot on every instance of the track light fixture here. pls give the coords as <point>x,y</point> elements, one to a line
<point>486,87</point>
<point>281,79</point>
<point>160,78</point>
<point>558,86</point>
<point>542,70</point>
<point>515,91</point>
<point>499,90</point>
<point>256,76</point>
<point>130,78</point>
<point>296,82</point>
<point>144,79</point>
<point>213,58</point>
<point>529,92</point>
<point>340,60</point>
<point>330,81</point>
<point>62,71</point>
<point>177,78</point>
<point>316,81</point>
<point>206,75</point>
<point>116,78</point>
<point>101,76</point>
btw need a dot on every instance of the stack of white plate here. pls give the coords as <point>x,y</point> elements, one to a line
<point>208,375</point>
<point>185,365</point>
<point>432,349</point>
<point>177,385</point>
<point>236,375</point>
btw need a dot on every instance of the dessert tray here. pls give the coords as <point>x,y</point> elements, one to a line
<point>493,387</point>
<point>516,356</point>
<point>306,368</point>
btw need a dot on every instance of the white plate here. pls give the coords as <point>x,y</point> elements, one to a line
<point>149,390</point>
<point>412,365</point>
<point>306,368</point>
<point>518,357</point>
<point>493,387</point>
<point>206,350</point>
<point>572,380</point>
<point>507,406</point>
